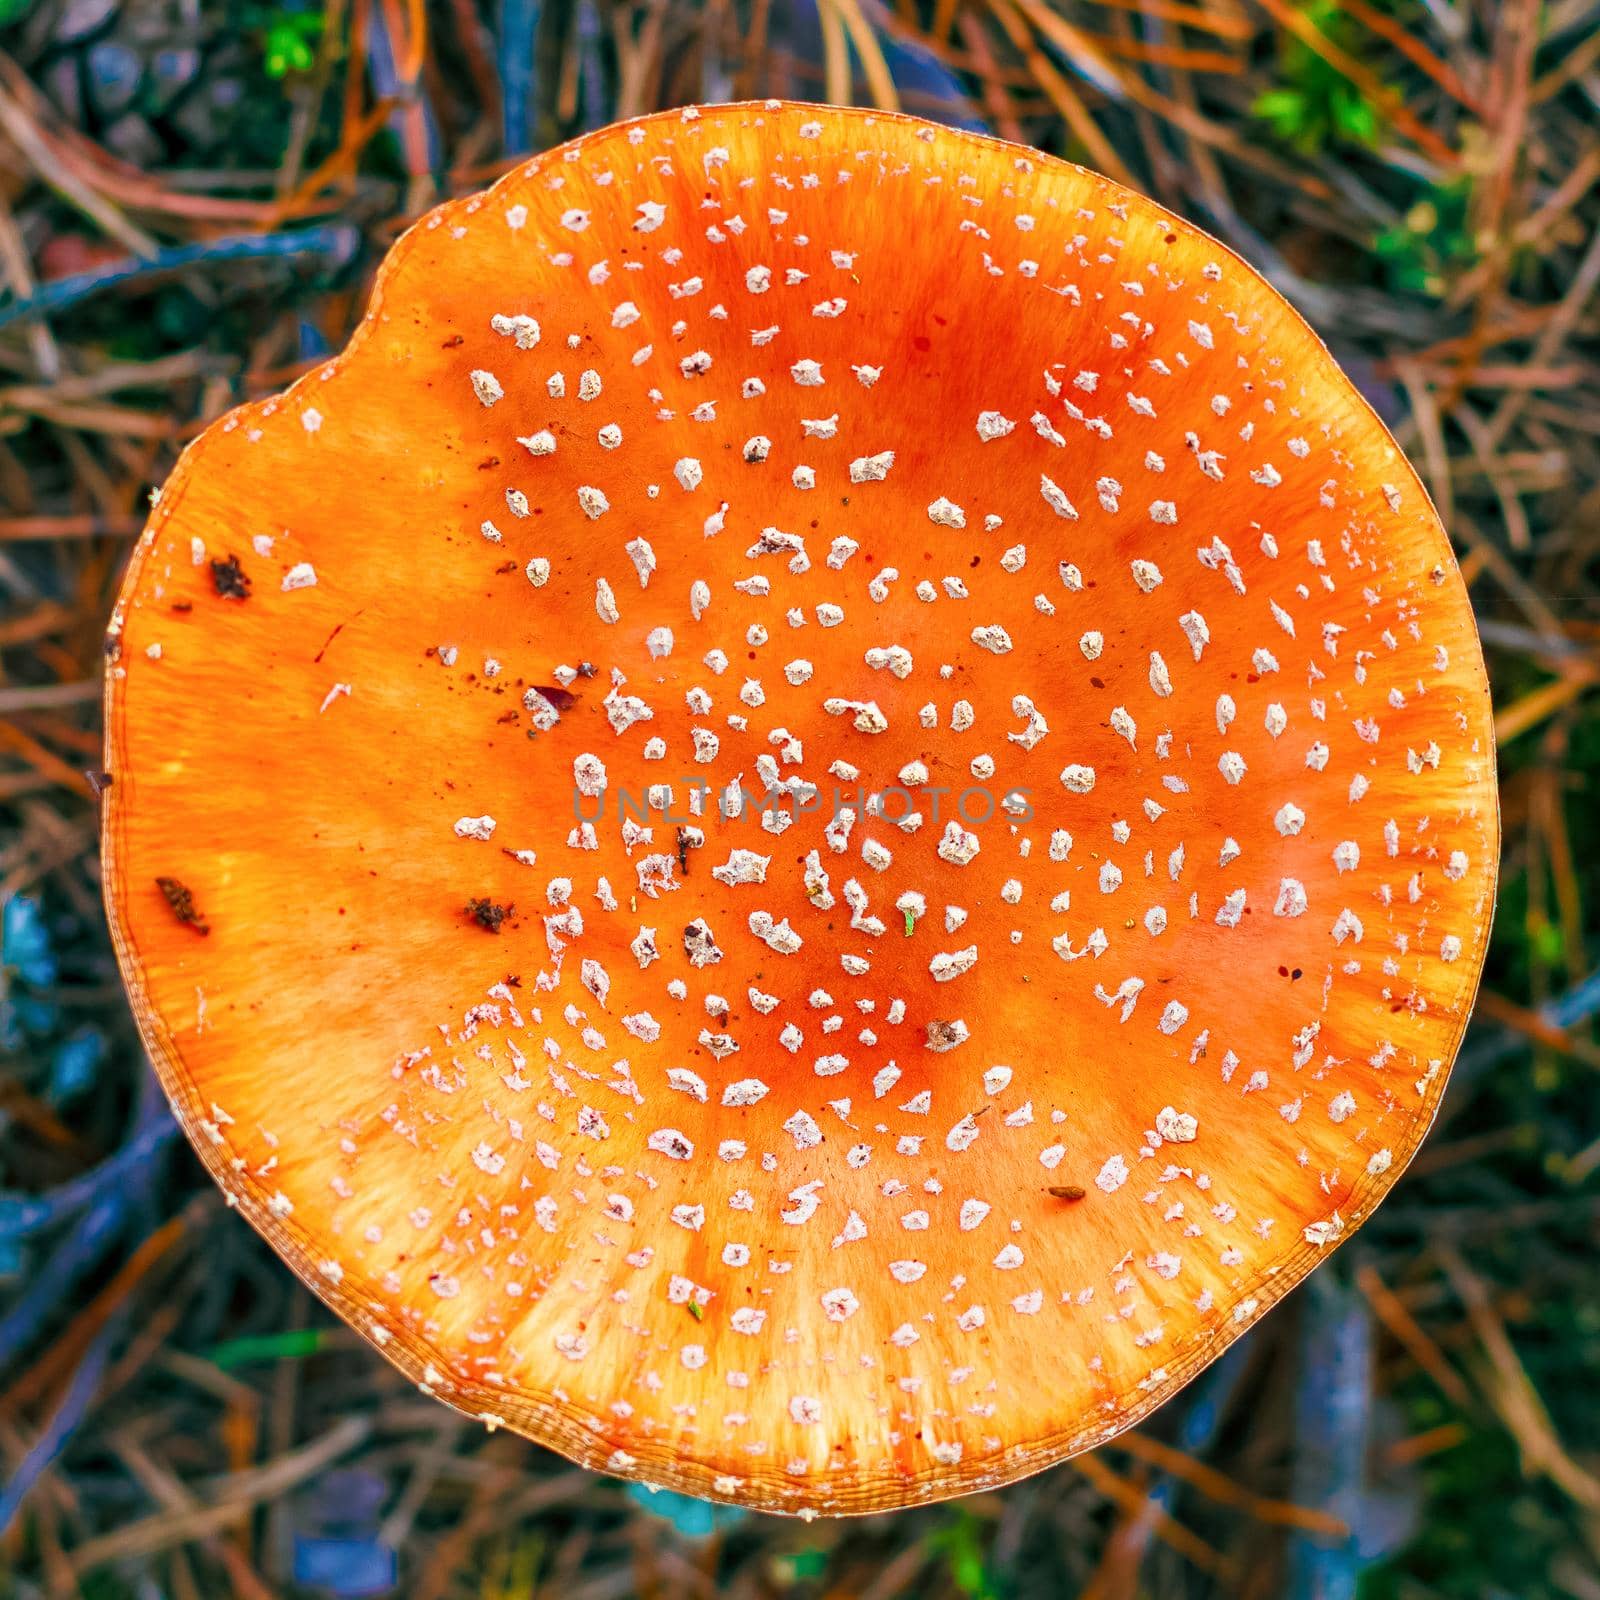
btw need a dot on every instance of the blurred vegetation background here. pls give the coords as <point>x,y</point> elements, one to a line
<point>193,196</point>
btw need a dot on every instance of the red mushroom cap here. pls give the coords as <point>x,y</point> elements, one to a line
<point>1089,951</point>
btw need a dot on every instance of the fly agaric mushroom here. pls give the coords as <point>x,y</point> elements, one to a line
<point>822,815</point>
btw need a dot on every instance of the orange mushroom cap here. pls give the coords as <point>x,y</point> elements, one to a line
<point>1088,950</point>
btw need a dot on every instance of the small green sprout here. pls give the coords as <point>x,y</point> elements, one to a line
<point>289,40</point>
<point>1313,105</point>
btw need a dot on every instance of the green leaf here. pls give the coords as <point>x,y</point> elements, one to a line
<point>1284,108</point>
<point>1355,116</point>
<point>809,1563</point>
<point>292,1342</point>
<point>960,1541</point>
<point>290,43</point>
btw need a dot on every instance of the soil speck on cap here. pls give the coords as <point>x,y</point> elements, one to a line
<point>181,898</point>
<point>229,579</point>
<point>488,914</point>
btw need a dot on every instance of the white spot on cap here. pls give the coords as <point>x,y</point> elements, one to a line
<point>1112,1175</point>
<point>1292,900</point>
<point>1178,1127</point>
<point>840,1304</point>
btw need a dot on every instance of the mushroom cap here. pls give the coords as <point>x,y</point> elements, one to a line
<point>846,1152</point>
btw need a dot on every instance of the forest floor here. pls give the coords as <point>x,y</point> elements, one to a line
<point>192,201</point>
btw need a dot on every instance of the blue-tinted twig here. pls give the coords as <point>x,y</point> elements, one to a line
<point>592,72</point>
<point>386,80</point>
<point>693,1519</point>
<point>24,1215</point>
<point>62,1425</point>
<point>1332,1434</point>
<point>1205,1412</point>
<point>1577,1005</point>
<point>336,241</point>
<point>916,70</point>
<point>1205,1408</point>
<point>519,27</point>
<point>94,1234</point>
